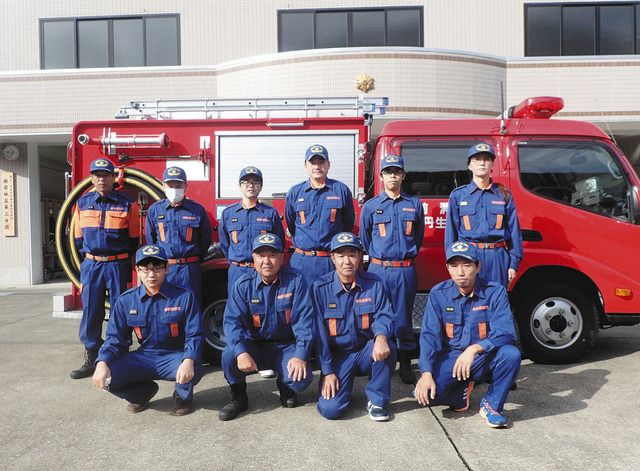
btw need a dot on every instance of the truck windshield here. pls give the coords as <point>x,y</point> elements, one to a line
<point>581,174</point>
<point>435,168</point>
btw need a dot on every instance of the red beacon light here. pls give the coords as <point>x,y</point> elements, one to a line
<point>539,107</point>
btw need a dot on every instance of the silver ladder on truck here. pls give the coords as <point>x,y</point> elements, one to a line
<point>239,108</point>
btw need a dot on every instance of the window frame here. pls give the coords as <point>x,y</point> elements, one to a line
<point>597,38</point>
<point>110,38</point>
<point>516,144</point>
<point>349,12</point>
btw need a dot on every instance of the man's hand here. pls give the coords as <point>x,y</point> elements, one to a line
<point>186,371</point>
<point>245,363</point>
<point>381,348</point>
<point>512,274</point>
<point>297,369</point>
<point>462,366</point>
<point>425,389</point>
<point>100,375</point>
<point>330,386</point>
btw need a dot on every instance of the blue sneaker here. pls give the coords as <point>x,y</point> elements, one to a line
<point>466,396</point>
<point>379,414</point>
<point>494,419</point>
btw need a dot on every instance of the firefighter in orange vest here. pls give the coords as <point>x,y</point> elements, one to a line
<point>107,229</point>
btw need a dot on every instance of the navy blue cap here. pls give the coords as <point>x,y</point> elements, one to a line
<point>345,239</point>
<point>267,240</point>
<point>245,172</point>
<point>316,150</point>
<point>392,161</point>
<point>174,174</point>
<point>464,250</point>
<point>150,251</point>
<point>481,148</point>
<point>102,165</point>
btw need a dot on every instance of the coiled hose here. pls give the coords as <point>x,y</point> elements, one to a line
<point>65,243</point>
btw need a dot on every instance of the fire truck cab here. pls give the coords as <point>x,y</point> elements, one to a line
<point>576,194</point>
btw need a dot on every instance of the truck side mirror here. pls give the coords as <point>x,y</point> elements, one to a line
<point>634,204</point>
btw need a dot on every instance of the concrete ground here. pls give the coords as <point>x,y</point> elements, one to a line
<point>581,416</point>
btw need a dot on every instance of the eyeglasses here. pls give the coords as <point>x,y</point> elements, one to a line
<point>146,271</point>
<point>248,183</point>
<point>392,171</point>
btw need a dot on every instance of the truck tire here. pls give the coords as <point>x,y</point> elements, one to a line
<point>558,323</point>
<point>214,334</point>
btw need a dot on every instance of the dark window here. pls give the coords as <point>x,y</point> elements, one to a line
<point>110,42</point>
<point>316,29</point>
<point>582,29</point>
<point>435,168</point>
<point>580,174</point>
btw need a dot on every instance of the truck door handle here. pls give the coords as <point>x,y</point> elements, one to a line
<point>531,235</point>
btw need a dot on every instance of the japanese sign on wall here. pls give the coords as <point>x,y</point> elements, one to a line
<point>8,204</point>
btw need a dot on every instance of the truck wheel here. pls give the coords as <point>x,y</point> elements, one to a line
<point>558,323</point>
<point>214,344</point>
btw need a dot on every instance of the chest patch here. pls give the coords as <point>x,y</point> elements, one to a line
<point>262,219</point>
<point>363,300</point>
<point>409,210</point>
<point>172,308</point>
<point>234,220</point>
<point>498,202</point>
<point>255,301</point>
<point>480,308</point>
<point>160,216</point>
<point>464,203</point>
<point>116,208</point>
<point>379,211</point>
<point>449,309</point>
<point>133,312</point>
<point>333,198</point>
<point>333,305</point>
<point>189,218</point>
<point>285,295</point>
<point>300,200</point>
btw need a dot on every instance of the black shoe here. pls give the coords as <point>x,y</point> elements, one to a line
<point>239,402</point>
<point>86,370</point>
<point>180,406</point>
<point>288,398</point>
<point>406,374</point>
<point>135,407</point>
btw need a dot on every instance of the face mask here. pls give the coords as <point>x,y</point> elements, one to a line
<point>174,195</point>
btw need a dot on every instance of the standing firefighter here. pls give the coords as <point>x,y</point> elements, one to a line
<point>391,229</point>
<point>243,221</point>
<point>167,323</point>
<point>483,214</point>
<point>467,335</point>
<point>316,210</point>
<point>182,228</point>
<point>354,321</point>
<point>106,230</point>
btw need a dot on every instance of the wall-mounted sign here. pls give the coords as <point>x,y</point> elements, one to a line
<point>8,204</point>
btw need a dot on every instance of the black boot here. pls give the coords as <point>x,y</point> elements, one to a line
<point>86,370</point>
<point>288,398</point>
<point>239,402</point>
<point>406,375</point>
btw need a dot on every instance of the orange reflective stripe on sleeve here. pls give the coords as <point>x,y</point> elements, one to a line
<point>161,230</point>
<point>189,233</point>
<point>482,329</point>
<point>449,328</point>
<point>365,321</point>
<point>256,320</point>
<point>174,330</point>
<point>467,222</point>
<point>409,228</point>
<point>287,315</point>
<point>382,228</point>
<point>303,220</point>
<point>77,230</point>
<point>134,220</point>
<point>333,327</point>
<point>234,236</point>
<point>334,212</point>
<point>499,219</point>
<point>138,332</point>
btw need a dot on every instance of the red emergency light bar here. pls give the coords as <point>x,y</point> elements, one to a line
<point>539,107</point>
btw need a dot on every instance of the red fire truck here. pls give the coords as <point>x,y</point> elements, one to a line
<point>577,196</point>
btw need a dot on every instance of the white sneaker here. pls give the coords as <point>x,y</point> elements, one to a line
<point>267,373</point>
<point>379,414</point>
